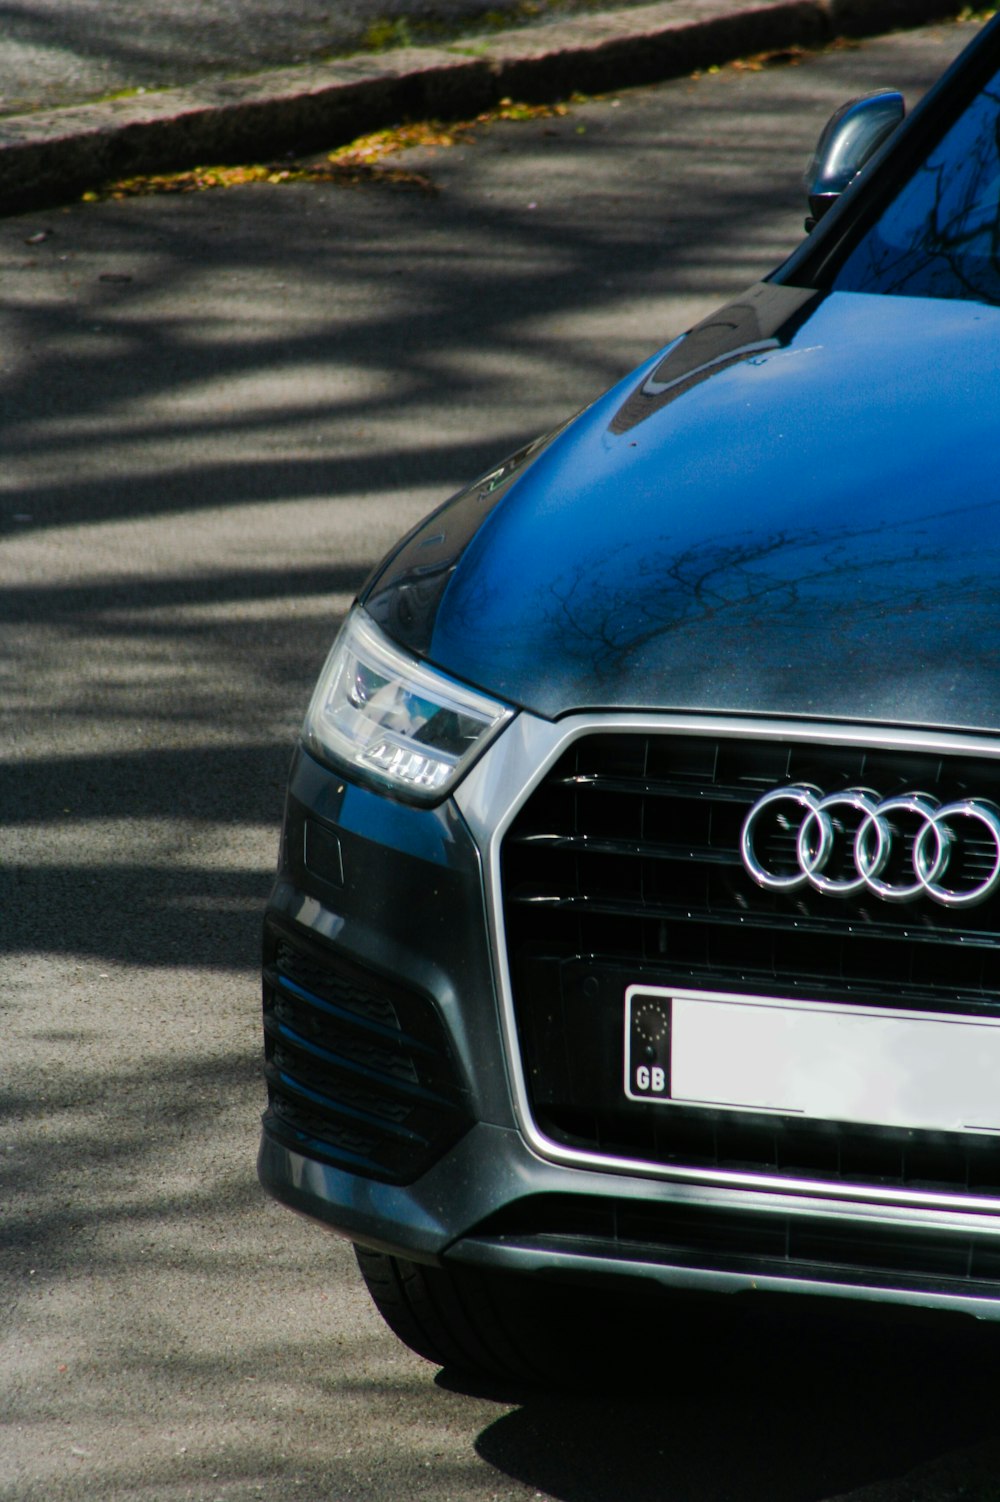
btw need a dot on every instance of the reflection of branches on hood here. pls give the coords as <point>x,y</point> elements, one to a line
<point>702,572</point>
<point>667,592</point>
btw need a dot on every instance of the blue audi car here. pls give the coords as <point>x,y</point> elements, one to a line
<point>637,922</point>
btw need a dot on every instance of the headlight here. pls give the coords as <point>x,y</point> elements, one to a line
<point>394,720</point>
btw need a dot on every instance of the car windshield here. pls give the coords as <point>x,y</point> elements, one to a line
<point>940,235</point>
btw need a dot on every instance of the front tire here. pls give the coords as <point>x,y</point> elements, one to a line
<point>512,1327</point>
<point>460,1318</point>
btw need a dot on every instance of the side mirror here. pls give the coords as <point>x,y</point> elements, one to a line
<point>850,136</point>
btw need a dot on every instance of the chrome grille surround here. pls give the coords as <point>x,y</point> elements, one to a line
<point>501,786</point>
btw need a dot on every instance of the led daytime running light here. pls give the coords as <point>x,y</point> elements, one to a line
<point>394,720</point>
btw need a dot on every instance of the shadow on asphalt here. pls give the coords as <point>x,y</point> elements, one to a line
<point>771,1405</point>
<point>391,342</point>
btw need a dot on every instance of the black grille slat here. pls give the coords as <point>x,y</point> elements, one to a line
<point>355,1062</point>
<point>325,1012</point>
<point>762,922</point>
<point>338,1043</point>
<point>660,788</point>
<point>580,843</point>
<point>350,1109</point>
<point>315,975</point>
<point>359,1070</point>
<point>623,867</point>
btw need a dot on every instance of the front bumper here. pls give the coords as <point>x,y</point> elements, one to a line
<point>406,903</point>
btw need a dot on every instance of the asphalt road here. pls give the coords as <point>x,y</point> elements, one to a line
<point>217,411</point>
<point>59,52</point>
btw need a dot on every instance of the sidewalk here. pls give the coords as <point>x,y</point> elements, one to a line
<point>51,156</point>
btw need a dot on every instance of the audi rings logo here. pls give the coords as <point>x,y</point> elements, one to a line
<point>898,848</point>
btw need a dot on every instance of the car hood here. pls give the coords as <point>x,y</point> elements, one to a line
<point>792,510</point>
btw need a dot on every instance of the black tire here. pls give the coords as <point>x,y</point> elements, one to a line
<point>578,1338</point>
<point>510,1328</point>
<point>459,1318</point>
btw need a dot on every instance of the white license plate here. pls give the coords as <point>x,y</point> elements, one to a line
<point>818,1060</point>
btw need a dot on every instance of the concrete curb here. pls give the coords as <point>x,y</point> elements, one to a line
<point>50,157</point>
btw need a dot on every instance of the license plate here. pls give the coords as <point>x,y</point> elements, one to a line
<point>817,1060</point>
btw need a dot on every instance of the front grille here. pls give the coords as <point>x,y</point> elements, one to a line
<point>624,867</point>
<point>359,1071</point>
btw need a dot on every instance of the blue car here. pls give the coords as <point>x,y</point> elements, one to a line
<point>637,923</point>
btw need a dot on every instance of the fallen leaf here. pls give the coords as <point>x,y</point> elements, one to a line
<point>351,165</point>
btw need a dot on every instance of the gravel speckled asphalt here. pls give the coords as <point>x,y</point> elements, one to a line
<point>60,52</point>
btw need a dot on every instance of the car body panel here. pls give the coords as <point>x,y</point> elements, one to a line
<point>775,527</point>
